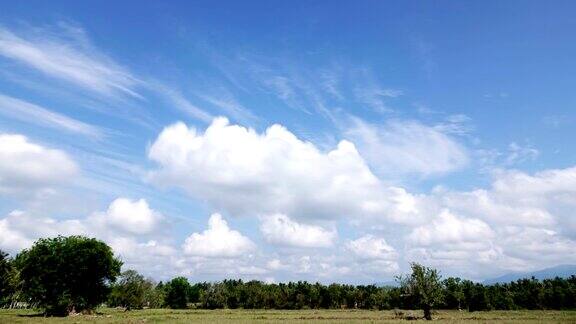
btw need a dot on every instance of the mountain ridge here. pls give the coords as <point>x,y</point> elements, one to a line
<point>562,271</point>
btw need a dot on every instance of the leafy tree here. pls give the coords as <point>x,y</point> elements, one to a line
<point>131,291</point>
<point>66,274</point>
<point>454,293</point>
<point>551,294</point>
<point>424,285</point>
<point>7,271</point>
<point>154,297</point>
<point>177,292</point>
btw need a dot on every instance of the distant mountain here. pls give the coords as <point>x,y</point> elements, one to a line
<point>562,271</point>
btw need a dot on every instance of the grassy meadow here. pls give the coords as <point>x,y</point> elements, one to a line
<point>110,315</point>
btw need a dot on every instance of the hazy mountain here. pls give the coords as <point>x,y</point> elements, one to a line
<point>562,271</point>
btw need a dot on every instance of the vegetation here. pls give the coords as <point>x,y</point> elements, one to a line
<point>177,293</point>
<point>67,274</point>
<point>423,286</point>
<point>76,274</point>
<point>111,315</point>
<point>133,291</point>
<point>7,273</point>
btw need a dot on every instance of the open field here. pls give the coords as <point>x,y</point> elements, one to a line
<point>108,315</point>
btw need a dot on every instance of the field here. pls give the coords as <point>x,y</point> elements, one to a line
<point>108,315</point>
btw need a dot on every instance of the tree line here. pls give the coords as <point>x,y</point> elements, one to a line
<point>76,274</point>
<point>455,293</point>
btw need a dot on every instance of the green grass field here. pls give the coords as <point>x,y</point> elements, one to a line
<point>108,315</point>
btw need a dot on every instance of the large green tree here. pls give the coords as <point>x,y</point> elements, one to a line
<point>65,274</point>
<point>423,286</point>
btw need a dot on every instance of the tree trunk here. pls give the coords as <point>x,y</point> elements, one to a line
<point>427,313</point>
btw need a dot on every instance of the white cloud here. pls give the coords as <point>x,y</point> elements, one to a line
<point>522,222</point>
<point>26,167</point>
<point>179,101</point>
<point>371,247</point>
<point>18,230</point>
<point>517,198</point>
<point>130,216</point>
<point>407,147</point>
<point>218,241</point>
<point>280,229</point>
<point>153,256</point>
<point>373,96</point>
<point>34,114</point>
<point>274,264</point>
<point>67,54</point>
<point>226,102</point>
<point>236,169</point>
<point>448,228</point>
<point>537,246</point>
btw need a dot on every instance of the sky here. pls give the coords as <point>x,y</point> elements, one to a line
<point>330,141</point>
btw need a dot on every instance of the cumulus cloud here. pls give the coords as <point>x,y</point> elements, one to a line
<point>130,216</point>
<point>448,228</point>
<point>18,230</point>
<point>401,147</point>
<point>280,229</point>
<point>371,247</point>
<point>26,167</point>
<point>241,171</point>
<point>122,226</point>
<point>218,241</point>
<point>517,198</point>
<point>523,221</point>
<point>289,184</point>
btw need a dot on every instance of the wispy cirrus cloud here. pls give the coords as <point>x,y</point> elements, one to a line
<point>66,54</point>
<point>180,102</point>
<point>30,113</point>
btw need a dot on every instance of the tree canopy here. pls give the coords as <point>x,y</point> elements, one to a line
<point>6,277</point>
<point>177,292</point>
<point>424,287</point>
<point>66,274</point>
<point>75,273</point>
<point>133,291</point>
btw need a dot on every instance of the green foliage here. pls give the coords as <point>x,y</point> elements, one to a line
<point>65,274</point>
<point>177,293</point>
<point>555,294</point>
<point>133,291</point>
<point>7,278</point>
<point>424,287</point>
<point>76,273</point>
<point>453,293</point>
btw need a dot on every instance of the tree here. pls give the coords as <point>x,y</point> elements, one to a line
<point>177,292</point>
<point>155,297</point>
<point>454,293</point>
<point>424,286</point>
<point>67,274</point>
<point>6,277</point>
<point>132,291</point>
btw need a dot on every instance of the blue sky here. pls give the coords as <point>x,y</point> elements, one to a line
<point>438,132</point>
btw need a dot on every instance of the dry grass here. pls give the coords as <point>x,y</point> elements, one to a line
<point>108,315</point>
